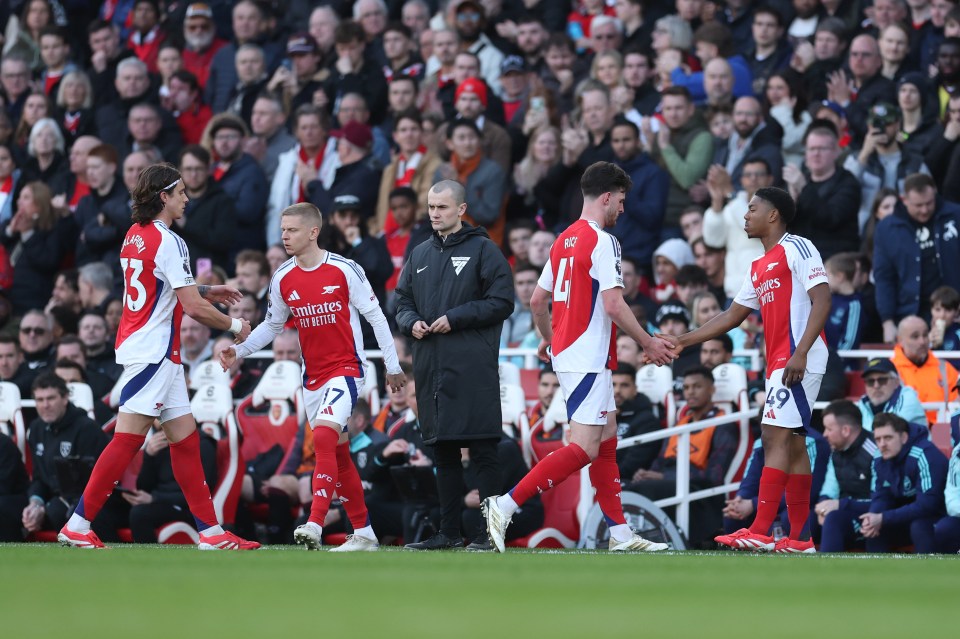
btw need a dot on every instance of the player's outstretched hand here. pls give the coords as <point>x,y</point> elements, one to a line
<point>441,325</point>
<point>396,382</point>
<point>223,294</point>
<point>227,357</point>
<point>420,330</point>
<point>793,371</point>
<point>543,351</point>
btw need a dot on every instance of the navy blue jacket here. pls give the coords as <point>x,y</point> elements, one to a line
<point>910,486</point>
<point>818,450</point>
<point>896,258</point>
<point>246,184</point>
<point>638,228</point>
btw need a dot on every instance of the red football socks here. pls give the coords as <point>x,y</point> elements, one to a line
<point>605,477</point>
<point>772,483</point>
<point>188,471</point>
<point>552,470</point>
<point>325,473</point>
<point>798,502</point>
<point>350,488</point>
<point>107,472</point>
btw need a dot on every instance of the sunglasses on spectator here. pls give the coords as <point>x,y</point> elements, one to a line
<point>876,381</point>
<point>468,16</point>
<point>33,330</point>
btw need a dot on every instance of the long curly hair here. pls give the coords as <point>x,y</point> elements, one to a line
<point>153,180</point>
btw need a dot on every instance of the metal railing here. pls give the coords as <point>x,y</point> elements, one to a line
<point>683,496</point>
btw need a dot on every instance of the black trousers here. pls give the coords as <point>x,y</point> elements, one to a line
<point>113,516</point>
<point>11,517</point>
<point>146,518</point>
<point>450,486</point>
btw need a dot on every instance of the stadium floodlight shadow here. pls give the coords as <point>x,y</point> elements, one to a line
<point>645,517</point>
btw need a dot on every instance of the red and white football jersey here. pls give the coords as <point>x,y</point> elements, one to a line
<point>155,263</point>
<point>326,303</point>
<point>584,262</point>
<point>777,286</point>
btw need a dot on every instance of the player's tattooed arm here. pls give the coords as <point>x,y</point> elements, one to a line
<point>220,294</point>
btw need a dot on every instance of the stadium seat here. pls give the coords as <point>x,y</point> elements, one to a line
<point>278,390</point>
<point>371,388</point>
<point>113,399</point>
<point>561,523</point>
<point>513,409</point>
<point>940,436</point>
<point>11,417</point>
<point>280,393</point>
<point>509,373</point>
<point>855,387</point>
<point>556,415</point>
<point>656,382</point>
<point>530,382</point>
<point>550,433</point>
<point>81,396</point>
<point>730,388</point>
<point>208,372</point>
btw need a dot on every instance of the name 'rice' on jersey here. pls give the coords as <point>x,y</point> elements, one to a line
<point>777,286</point>
<point>155,263</point>
<point>584,262</point>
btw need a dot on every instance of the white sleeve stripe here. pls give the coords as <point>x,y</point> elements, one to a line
<point>353,265</point>
<point>800,245</point>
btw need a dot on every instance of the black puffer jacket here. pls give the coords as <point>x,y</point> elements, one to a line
<point>467,279</point>
<point>73,435</point>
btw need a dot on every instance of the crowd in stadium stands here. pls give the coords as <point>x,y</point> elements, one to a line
<point>853,106</point>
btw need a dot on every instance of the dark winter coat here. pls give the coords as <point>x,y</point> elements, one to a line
<point>210,226</point>
<point>827,213</point>
<point>101,242</point>
<point>73,436</point>
<point>466,278</point>
<point>910,486</point>
<point>246,184</point>
<point>896,258</point>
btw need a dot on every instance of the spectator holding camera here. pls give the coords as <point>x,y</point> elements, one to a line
<point>882,161</point>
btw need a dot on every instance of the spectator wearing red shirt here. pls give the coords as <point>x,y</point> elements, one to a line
<point>146,35</point>
<point>403,205</point>
<point>184,102</point>
<point>200,41</point>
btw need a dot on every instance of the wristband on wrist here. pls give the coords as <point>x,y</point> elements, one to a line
<point>236,326</point>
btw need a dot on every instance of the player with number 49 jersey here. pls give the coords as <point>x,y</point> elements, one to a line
<point>155,263</point>
<point>584,262</point>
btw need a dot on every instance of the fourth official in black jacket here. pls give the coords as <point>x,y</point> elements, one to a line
<point>453,296</point>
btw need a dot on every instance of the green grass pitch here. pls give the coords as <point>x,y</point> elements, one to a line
<point>177,592</point>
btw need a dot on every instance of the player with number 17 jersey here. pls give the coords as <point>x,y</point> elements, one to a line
<point>155,263</point>
<point>326,303</point>
<point>584,262</point>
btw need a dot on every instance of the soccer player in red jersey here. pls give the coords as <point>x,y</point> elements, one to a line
<point>326,294</point>
<point>788,285</point>
<point>158,288</point>
<point>583,279</point>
